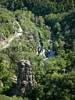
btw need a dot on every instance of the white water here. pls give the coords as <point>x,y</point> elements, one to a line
<point>6,43</point>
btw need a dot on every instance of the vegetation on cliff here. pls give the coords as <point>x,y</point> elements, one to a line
<point>50,24</point>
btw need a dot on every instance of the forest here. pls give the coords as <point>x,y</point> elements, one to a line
<point>40,33</point>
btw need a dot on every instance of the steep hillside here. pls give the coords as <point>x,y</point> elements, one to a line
<point>47,41</point>
<point>20,21</point>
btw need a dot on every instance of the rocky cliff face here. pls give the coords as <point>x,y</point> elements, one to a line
<point>24,77</point>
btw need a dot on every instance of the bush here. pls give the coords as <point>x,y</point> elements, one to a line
<point>3,97</point>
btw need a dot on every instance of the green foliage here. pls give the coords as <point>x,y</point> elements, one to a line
<point>68,24</point>
<point>5,72</point>
<point>6,26</point>
<point>51,19</point>
<point>3,97</point>
<point>55,76</point>
<point>40,7</point>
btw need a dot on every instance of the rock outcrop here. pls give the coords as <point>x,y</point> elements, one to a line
<point>24,78</point>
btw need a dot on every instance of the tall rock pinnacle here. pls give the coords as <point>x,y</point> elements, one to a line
<point>24,77</point>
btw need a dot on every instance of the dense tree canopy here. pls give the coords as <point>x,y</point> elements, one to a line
<point>40,7</point>
<point>48,25</point>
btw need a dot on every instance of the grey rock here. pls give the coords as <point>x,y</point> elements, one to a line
<point>24,77</point>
